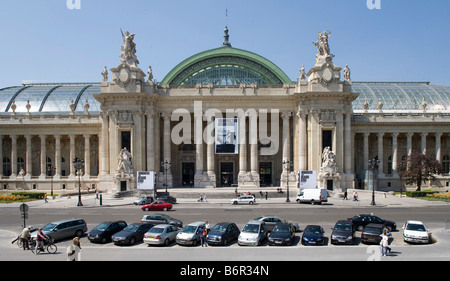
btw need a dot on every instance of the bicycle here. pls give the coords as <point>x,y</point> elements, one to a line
<point>49,246</point>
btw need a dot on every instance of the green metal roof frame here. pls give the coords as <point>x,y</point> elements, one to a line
<point>226,51</point>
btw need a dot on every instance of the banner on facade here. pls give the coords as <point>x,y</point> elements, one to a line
<point>226,135</point>
<point>145,180</point>
<point>307,179</point>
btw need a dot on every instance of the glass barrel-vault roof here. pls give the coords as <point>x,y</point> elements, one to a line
<point>401,95</point>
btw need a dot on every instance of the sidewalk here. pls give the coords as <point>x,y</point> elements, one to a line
<point>188,197</point>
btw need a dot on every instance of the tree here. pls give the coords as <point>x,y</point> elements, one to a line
<point>419,169</point>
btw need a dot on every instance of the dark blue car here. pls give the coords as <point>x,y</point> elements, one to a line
<point>222,233</point>
<point>313,235</point>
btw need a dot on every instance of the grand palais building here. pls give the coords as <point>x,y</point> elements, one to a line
<point>222,117</point>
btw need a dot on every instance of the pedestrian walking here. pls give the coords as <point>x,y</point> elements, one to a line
<point>25,237</point>
<point>267,195</point>
<point>390,239</point>
<point>261,195</point>
<point>74,250</point>
<point>384,243</point>
<point>345,195</point>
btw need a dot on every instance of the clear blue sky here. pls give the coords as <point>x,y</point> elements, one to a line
<point>406,40</point>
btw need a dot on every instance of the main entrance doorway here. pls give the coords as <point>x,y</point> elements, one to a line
<point>187,174</point>
<point>265,173</point>
<point>226,173</point>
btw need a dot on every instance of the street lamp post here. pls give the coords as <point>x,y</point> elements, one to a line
<point>51,170</point>
<point>78,164</point>
<point>287,165</point>
<point>373,166</point>
<point>166,165</point>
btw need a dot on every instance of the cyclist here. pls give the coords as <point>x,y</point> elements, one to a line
<point>40,238</point>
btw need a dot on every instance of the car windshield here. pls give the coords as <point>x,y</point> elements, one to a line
<point>219,228</point>
<point>102,226</point>
<point>189,229</point>
<point>313,230</point>
<point>342,227</point>
<point>131,228</point>
<point>156,230</point>
<point>281,228</point>
<point>49,227</point>
<point>253,228</point>
<point>416,227</point>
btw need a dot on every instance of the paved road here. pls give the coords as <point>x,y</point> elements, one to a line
<point>216,210</point>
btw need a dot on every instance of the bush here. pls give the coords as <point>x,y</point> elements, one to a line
<point>423,193</point>
<point>31,195</point>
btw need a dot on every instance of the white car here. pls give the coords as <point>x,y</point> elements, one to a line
<point>189,235</point>
<point>415,232</point>
<point>246,199</point>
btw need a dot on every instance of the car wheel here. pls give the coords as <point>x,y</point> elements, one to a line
<point>313,202</point>
<point>235,203</point>
<point>225,242</point>
<point>146,209</point>
<point>251,203</point>
<point>165,209</point>
<point>132,241</point>
<point>166,242</point>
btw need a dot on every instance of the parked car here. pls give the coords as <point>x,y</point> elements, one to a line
<point>103,232</point>
<point>372,233</point>
<point>131,234</point>
<point>143,201</point>
<point>360,221</point>
<point>222,233</point>
<point>271,221</point>
<point>188,235</point>
<point>313,196</point>
<point>168,199</point>
<point>282,234</point>
<point>161,234</point>
<point>313,235</point>
<point>343,233</point>
<point>253,233</point>
<point>246,199</point>
<point>161,219</point>
<point>63,229</point>
<point>157,205</point>
<point>415,232</point>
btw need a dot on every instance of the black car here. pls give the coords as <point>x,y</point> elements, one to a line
<point>282,234</point>
<point>167,199</point>
<point>360,221</point>
<point>343,233</point>
<point>313,235</point>
<point>131,234</point>
<point>222,233</point>
<point>372,233</point>
<point>103,232</point>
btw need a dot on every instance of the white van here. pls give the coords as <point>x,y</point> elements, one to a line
<point>313,196</point>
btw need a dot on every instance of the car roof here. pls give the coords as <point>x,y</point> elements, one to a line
<point>414,222</point>
<point>161,225</point>
<point>224,223</point>
<point>196,223</point>
<point>63,221</point>
<point>254,222</point>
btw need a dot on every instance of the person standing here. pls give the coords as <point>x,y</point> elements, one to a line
<point>384,243</point>
<point>25,237</point>
<point>74,250</point>
<point>207,227</point>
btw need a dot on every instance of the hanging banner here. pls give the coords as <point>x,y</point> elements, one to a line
<point>145,180</point>
<point>307,179</point>
<point>226,135</point>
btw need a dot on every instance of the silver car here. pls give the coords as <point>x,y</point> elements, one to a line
<point>161,234</point>
<point>271,221</point>
<point>188,235</point>
<point>64,229</point>
<point>253,233</point>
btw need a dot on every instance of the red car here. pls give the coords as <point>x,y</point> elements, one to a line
<point>157,205</point>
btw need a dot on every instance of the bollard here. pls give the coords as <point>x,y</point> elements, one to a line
<point>101,199</point>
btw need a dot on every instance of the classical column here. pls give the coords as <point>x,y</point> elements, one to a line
<point>423,149</point>
<point>58,156</point>
<point>301,140</point>
<point>13,156</point>
<point>1,156</point>
<point>438,146</point>
<point>104,140</point>
<point>72,156</point>
<point>167,141</point>
<point>253,141</point>
<point>43,157</point>
<point>286,136</point>
<point>409,144</point>
<point>347,143</point>
<point>210,149</point>
<point>87,155</point>
<point>380,155</point>
<point>28,157</point>
<point>242,147</point>
<point>366,151</point>
<point>198,139</point>
<point>394,153</point>
<point>151,140</point>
